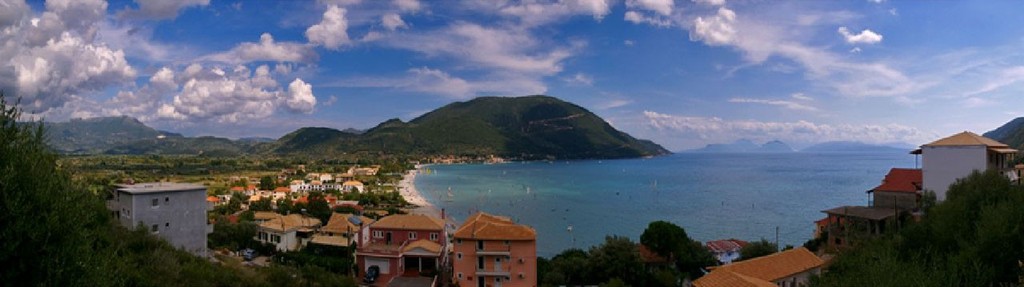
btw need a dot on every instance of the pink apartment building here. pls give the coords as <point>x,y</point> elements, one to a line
<point>406,245</point>
<point>493,251</point>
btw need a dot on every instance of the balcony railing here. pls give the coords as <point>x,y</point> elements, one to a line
<point>501,251</point>
<point>497,272</point>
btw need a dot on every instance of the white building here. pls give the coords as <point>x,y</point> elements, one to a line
<point>175,212</point>
<point>946,160</point>
<point>288,232</point>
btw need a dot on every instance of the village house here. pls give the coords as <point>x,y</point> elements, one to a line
<point>494,251</point>
<point>175,212</point>
<point>404,245</point>
<point>341,230</point>
<point>790,268</point>
<point>727,250</point>
<point>352,186</point>
<point>901,189</point>
<point>281,193</point>
<point>288,232</point>
<point>946,160</point>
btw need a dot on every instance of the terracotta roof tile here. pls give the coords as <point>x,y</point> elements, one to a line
<point>427,245</point>
<point>762,270</point>
<point>237,189</point>
<point>490,227</point>
<point>339,223</point>
<point>282,189</point>
<point>901,180</point>
<point>410,222</point>
<point>290,222</point>
<point>726,245</point>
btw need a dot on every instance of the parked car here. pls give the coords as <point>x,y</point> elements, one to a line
<point>248,254</point>
<point>371,274</point>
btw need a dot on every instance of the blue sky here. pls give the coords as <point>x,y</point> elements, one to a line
<point>682,73</point>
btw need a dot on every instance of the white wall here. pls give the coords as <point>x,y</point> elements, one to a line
<point>942,166</point>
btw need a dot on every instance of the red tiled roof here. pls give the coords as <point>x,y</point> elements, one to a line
<point>212,199</point>
<point>282,189</point>
<point>901,180</point>
<point>762,271</point>
<point>726,245</point>
<point>490,227</point>
<point>237,188</point>
<point>303,200</point>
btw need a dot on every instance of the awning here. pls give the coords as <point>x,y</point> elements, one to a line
<point>1003,150</point>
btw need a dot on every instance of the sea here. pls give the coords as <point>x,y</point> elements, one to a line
<point>747,196</point>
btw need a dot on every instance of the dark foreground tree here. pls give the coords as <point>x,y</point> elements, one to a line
<point>757,249</point>
<point>671,241</point>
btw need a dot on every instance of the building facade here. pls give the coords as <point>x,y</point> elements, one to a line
<point>288,232</point>
<point>946,160</point>
<point>410,245</point>
<point>495,252</point>
<point>175,212</point>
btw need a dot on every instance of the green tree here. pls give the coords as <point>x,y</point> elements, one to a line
<point>757,249</point>
<point>267,183</point>
<point>50,226</point>
<point>671,241</point>
<point>617,257</point>
<point>566,268</point>
<point>264,204</point>
<point>318,206</point>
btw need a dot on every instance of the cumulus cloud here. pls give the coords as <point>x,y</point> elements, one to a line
<point>392,21</point>
<point>781,103</point>
<point>663,7</point>
<point>716,29</point>
<point>12,12</point>
<point>212,94</point>
<point>161,9</point>
<point>534,14</point>
<point>300,97</point>
<point>864,37</point>
<point>639,18</point>
<point>267,50</point>
<point>332,31</point>
<point>718,130</point>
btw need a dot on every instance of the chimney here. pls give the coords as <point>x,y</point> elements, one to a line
<point>442,214</point>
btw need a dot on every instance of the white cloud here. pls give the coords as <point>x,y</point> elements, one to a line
<point>663,7</point>
<point>438,82</point>
<point>300,97</point>
<point>614,104</point>
<point>408,5</point>
<point>580,79</point>
<point>267,50</point>
<point>718,130</point>
<point>786,104</point>
<point>332,31</point>
<point>801,96</point>
<point>864,37</point>
<point>711,2</point>
<point>503,49</point>
<point>715,30</point>
<point>534,14</point>
<point>629,43</point>
<point>12,12</point>
<point>161,9</point>
<point>855,50</point>
<point>639,18</point>
<point>392,21</point>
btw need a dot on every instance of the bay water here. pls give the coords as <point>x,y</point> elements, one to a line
<point>747,196</point>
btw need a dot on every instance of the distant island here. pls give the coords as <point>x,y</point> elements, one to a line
<point>746,146</point>
<point>852,146</point>
<point>531,127</point>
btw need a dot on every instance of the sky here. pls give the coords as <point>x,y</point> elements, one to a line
<point>682,73</point>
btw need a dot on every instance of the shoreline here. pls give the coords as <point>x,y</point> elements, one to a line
<point>407,188</point>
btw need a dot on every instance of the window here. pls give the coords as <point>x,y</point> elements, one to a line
<point>458,241</point>
<point>479,245</point>
<point>155,228</point>
<point>378,234</point>
<point>458,255</point>
<point>412,235</point>
<point>460,275</point>
<point>433,236</point>
<point>480,263</point>
<point>497,279</point>
<point>167,224</point>
<point>506,242</point>
<point>167,199</point>
<point>497,259</point>
<point>156,202</point>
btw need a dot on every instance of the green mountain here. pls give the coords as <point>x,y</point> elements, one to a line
<point>1011,133</point>
<point>96,135</point>
<point>533,127</point>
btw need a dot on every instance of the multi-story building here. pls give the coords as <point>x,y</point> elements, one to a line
<point>409,245</point>
<point>494,251</point>
<point>288,232</point>
<point>175,212</point>
<point>946,160</point>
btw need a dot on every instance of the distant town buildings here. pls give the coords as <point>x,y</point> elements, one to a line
<point>727,250</point>
<point>493,251</point>
<point>175,212</point>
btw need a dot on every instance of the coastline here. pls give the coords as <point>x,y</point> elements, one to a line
<point>407,188</point>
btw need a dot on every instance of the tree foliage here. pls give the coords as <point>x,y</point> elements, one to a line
<point>974,238</point>
<point>671,241</point>
<point>757,249</point>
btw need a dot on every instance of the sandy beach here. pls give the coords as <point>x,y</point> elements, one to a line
<point>408,189</point>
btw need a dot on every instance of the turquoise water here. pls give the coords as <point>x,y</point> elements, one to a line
<point>712,196</point>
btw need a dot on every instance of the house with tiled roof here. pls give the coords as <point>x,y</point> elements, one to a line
<point>281,192</point>
<point>900,189</point>
<point>352,186</point>
<point>792,267</point>
<point>341,230</point>
<point>726,250</point>
<point>408,245</point>
<point>946,160</point>
<point>288,232</point>
<point>493,250</point>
